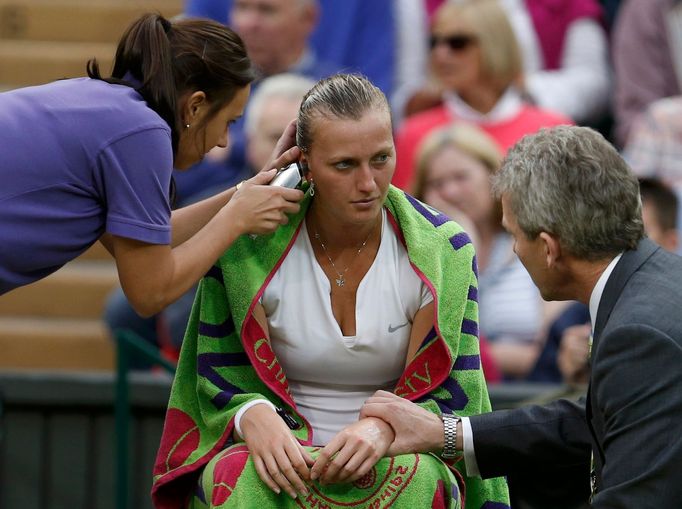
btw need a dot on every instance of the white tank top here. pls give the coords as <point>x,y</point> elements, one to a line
<point>331,375</point>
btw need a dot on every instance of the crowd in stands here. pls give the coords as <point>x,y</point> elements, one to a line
<point>466,80</point>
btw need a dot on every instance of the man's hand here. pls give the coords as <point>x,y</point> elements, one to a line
<point>416,429</point>
<point>574,351</point>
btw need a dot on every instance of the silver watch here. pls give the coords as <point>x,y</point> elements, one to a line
<point>450,431</point>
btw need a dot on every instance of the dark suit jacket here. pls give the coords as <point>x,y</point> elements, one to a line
<point>632,418</point>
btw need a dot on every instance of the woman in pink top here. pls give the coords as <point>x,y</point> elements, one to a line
<point>476,60</point>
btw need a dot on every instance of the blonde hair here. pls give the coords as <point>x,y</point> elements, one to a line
<point>501,60</point>
<point>466,138</point>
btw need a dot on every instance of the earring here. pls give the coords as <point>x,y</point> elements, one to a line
<point>312,188</point>
<point>186,126</point>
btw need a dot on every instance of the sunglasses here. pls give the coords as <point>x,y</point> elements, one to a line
<point>457,42</point>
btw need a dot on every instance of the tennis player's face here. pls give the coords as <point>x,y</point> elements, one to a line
<point>352,163</point>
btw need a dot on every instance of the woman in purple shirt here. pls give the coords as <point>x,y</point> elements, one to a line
<point>91,159</point>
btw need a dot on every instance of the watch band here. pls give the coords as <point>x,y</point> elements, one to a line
<point>450,432</point>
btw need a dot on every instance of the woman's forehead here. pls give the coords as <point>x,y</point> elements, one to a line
<point>375,122</point>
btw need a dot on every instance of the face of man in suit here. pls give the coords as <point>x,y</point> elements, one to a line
<point>540,256</point>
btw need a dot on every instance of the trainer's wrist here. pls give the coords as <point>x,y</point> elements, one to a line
<point>450,435</point>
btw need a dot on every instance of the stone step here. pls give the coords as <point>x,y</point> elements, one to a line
<point>77,290</point>
<point>55,344</point>
<point>76,20</point>
<point>24,63</point>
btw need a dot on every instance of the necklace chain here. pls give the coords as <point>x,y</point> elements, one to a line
<point>341,279</point>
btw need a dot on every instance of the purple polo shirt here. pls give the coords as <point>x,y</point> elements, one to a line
<point>78,158</point>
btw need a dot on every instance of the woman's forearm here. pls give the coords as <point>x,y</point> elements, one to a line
<point>187,221</point>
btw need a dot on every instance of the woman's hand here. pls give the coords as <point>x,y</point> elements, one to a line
<point>285,151</point>
<point>281,462</point>
<point>259,208</point>
<point>353,451</point>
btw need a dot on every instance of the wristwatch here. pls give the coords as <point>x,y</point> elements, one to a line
<point>450,431</point>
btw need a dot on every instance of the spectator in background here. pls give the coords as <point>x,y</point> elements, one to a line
<point>564,358</point>
<point>276,35</point>
<point>454,166</point>
<point>565,55</point>
<point>383,39</point>
<point>647,57</point>
<point>654,147</point>
<point>476,59</point>
<point>272,107</point>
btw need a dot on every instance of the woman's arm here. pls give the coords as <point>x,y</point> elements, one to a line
<point>281,462</point>
<point>152,276</point>
<point>421,325</point>
<point>187,221</point>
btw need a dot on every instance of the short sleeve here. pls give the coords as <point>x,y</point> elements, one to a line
<point>426,296</point>
<point>134,174</point>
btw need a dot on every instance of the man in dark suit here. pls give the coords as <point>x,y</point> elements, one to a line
<point>573,207</point>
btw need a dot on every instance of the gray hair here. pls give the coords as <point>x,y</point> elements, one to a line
<point>287,86</point>
<point>347,96</point>
<point>570,182</point>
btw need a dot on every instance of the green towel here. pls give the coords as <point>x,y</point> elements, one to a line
<point>226,360</point>
<point>408,481</point>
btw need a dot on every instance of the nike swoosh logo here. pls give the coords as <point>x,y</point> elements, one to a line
<point>392,329</point>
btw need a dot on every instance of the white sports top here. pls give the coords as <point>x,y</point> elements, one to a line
<point>330,375</point>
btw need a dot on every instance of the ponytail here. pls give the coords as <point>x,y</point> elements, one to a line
<point>168,59</point>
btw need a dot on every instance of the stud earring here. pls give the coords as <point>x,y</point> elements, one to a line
<point>186,126</point>
<point>312,188</point>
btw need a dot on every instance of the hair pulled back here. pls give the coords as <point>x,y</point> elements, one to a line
<point>167,59</point>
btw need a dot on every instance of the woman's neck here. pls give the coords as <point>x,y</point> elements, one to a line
<point>482,99</point>
<point>337,235</point>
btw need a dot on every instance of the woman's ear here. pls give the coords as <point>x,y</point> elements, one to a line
<point>303,161</point>
<point>195,106</point>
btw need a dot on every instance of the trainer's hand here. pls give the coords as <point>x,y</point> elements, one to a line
<point>353,451</point>
<point>258,208</point>
<point>285,151</point>
<point>416,429</point>
<point>281,462</point>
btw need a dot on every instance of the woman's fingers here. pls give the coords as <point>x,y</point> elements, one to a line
<point>275,471</point>
<point>286,140</point>
<point>288,157</point>
<point>337,463</point>
<point>362,469</point>
<point>264,475</point>
<point>350,468</point>
<point>263,177</point>
<point>290,464</point>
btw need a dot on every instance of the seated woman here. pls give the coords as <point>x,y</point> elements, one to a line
<point>454,165</point>
<point>365,289</point>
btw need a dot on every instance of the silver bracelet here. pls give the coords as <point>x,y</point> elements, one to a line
<point>450,432</point>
